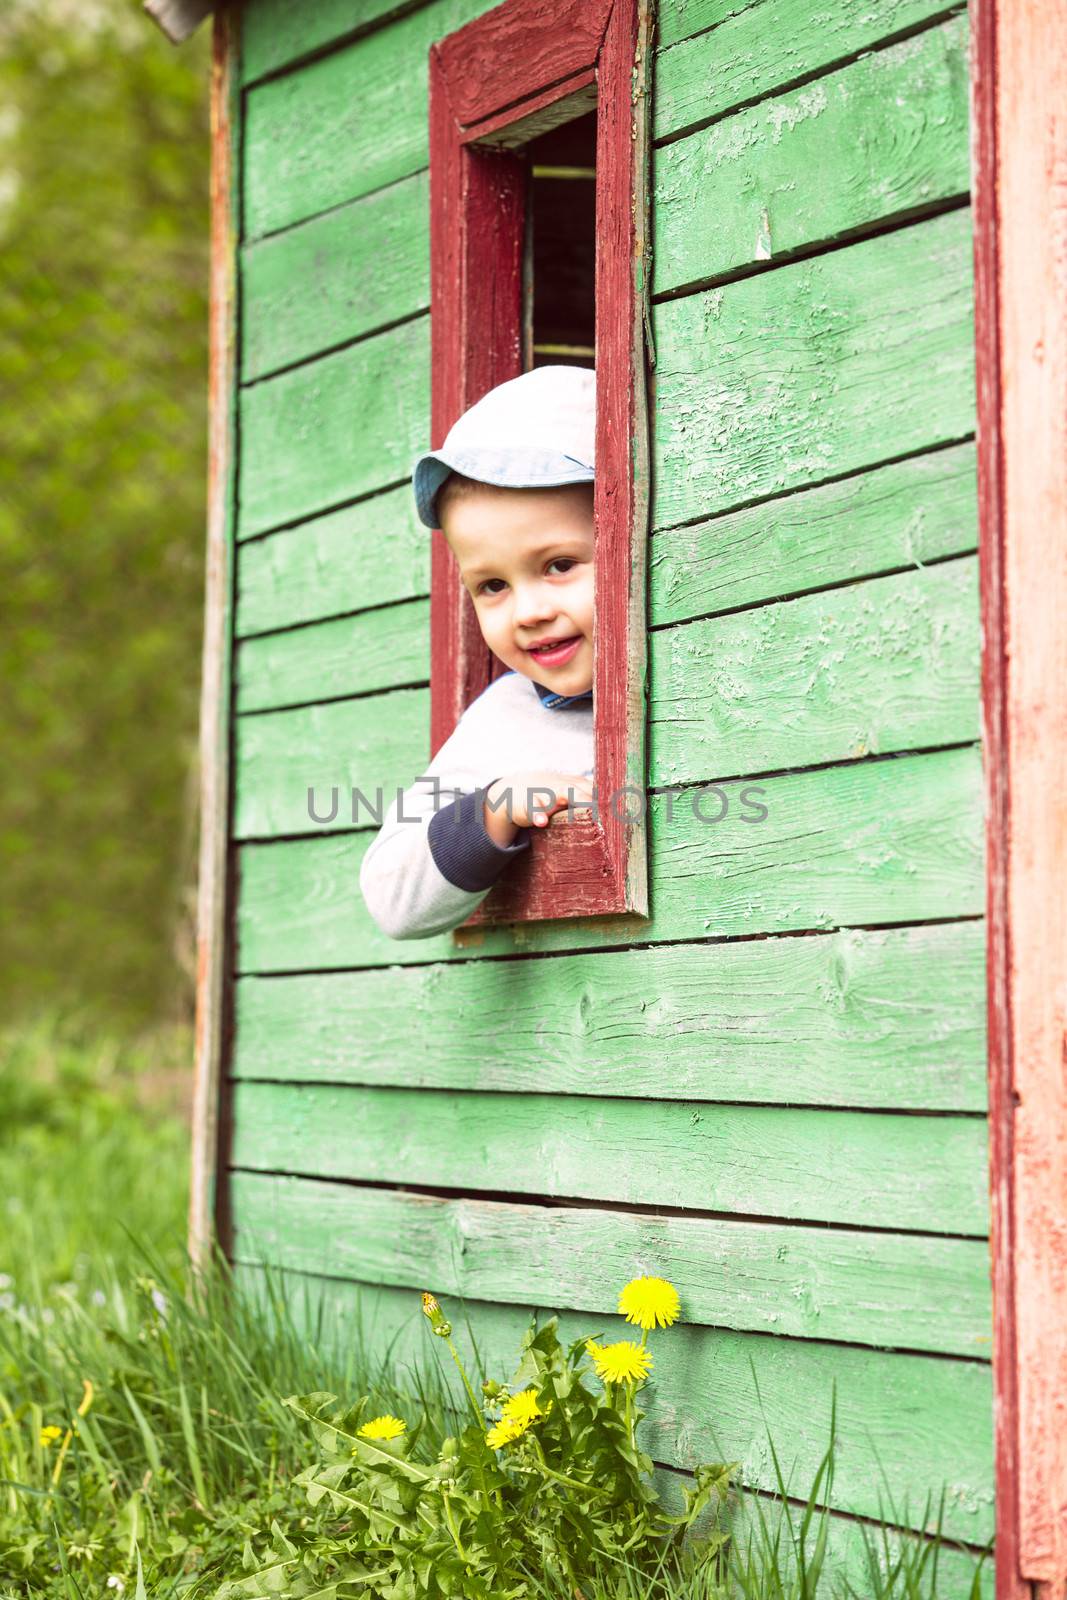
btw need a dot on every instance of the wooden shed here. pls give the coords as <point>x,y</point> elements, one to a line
<point>809,1064</point>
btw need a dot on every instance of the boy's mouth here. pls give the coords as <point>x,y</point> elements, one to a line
<point>555,652</point>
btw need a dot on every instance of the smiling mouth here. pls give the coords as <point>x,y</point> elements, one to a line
<point>553,648</point>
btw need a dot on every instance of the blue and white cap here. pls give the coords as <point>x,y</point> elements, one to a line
<point>533,432</point>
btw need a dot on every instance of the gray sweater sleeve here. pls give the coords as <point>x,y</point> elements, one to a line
<point>433,863</point>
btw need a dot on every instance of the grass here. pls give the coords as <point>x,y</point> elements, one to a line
<point>182,1462</point>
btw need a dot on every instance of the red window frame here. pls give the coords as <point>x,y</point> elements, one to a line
<point>518,71</point>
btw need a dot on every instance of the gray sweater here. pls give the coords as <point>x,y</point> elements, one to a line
<point>432,861</point>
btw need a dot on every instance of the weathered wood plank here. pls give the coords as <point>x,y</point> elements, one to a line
<point>816,369</point>
<point>345,425</point>
<point>378,744</point>
<point>892,1019</point>
<point>350,655</point>
<point>898,840</point>
<point>911,1292</point>
<point>899,835</point>
<point>275,33</point>
<point>336,278</point>
<point>369,745</point>
<point>1020,67</point>
<point>334,564</point>
<point>906,1424</point>
<point>214,898</point>
<point>716,54</point>
<point>757,1521</point>
<point>887,665</point>
<point>736,423</point>
<point>907,513</point>
<point>890,664</point>
<point>817,1165</point>
<point>346,123</point>
<point>683,18</point>
<point>903,514</point>
<point>885,135</point>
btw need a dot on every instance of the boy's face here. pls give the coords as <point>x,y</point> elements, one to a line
<point>526,559</point>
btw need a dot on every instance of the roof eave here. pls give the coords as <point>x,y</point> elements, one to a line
<point>178,18</point>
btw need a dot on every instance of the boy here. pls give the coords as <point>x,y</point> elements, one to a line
<point>512,491</point>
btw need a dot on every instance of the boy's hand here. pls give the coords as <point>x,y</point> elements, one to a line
<point>535,796</point>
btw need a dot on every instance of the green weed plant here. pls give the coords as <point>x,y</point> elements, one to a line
<point>546,1482</point>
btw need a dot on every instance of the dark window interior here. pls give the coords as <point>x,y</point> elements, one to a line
<point>558,299</point>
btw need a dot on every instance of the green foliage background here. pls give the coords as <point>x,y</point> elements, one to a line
<point>104,189</point>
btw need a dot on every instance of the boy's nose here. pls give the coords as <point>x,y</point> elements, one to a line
<point>534,603</point>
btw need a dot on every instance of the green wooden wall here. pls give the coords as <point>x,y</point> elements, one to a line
<point>774,1092</point>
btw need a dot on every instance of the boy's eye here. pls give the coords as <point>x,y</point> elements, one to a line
<point>560,560</point>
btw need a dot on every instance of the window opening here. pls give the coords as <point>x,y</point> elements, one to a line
<point>560,258</point>
<point>539,150</point>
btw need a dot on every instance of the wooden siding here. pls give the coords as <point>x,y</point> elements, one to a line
<point>774,1089</point>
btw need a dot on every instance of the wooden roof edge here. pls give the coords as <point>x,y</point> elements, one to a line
<point>178,18</point>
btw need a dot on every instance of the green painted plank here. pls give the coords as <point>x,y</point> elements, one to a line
<point>875,842</point>
<point>813,370</point>
<point>345,425</point>
<point>817,1165</point>
<point>887,841</point>
<point>345,124</point>
<point>901,515</point>
<point>907,513</point>
<point>716,54</point>
<point>912,1292</point>
<point>754,1515</point>
<point>368,554</point>
<point>887,665</point>
<point>682,18</point>
<point>816,386</point>
<point>906,1424</point>
<point>892,1019</point>
<point>275,33</point>
<point>727,1022</point>
<point>336,278</point>
<point>343,745</point>
<point>350,655</point>
<point>890,664</point>
<point>882,137</point>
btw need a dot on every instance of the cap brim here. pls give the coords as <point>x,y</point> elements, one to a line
<point>506,469</point>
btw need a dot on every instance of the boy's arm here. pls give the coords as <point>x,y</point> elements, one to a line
<point>433,861</point>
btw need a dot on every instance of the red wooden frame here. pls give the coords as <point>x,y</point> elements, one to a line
<point>517,71</point>
<point>1019,121</point>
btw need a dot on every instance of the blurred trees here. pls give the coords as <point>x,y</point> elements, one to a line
<point>104,233</point>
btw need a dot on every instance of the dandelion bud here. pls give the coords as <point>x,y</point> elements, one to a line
<point>490,1389</point>
<point>431,1309</point>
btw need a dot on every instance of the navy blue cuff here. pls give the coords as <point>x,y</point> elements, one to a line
<point>461,848</point>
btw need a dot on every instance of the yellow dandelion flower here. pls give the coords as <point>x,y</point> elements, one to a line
<point>506,1431</point>
<point>523,1407</point>
<point>649,1302</point>
<point>624,1362</point>
<point>383,1428</point>
<point>49,1435</point>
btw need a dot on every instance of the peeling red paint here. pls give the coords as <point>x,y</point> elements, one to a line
<point>1019,88</point>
